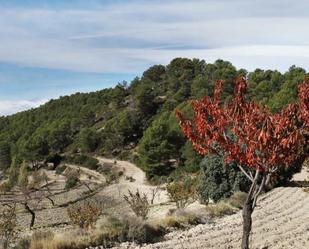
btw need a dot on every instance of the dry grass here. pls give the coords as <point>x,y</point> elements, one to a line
<point>237,200</point>
<point>220,209</point>
<point>181,219</point>
<point>70,240</point>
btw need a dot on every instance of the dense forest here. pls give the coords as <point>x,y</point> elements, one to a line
<point>136,121</point>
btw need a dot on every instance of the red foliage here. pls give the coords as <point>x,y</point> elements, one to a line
<point>247,133</point>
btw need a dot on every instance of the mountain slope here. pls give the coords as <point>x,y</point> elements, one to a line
<point>114,121</point>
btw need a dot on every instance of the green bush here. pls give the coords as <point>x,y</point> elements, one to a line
<point>60,169</point>
<point>83,160</point>
<point>182,192</point>
<point>71,181</point>
<point>284,175</point>
<point>54,158</point>
<point>219,181</point>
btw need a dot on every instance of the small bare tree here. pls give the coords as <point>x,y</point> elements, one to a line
<point>154,192</point>
<point>84,214</point>
<point>138,203</point>
<point>29,191</point>
<point>182,192</point>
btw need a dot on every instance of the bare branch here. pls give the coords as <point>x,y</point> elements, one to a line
<point>261,187</point>
<point>246,174</point>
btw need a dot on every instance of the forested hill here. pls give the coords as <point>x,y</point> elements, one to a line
<point>136,120</point>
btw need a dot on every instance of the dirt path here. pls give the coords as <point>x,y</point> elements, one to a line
<point>129,169</point>
<point>124,185</point>
<point>85,173</point>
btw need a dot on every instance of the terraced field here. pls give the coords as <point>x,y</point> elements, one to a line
<point>281,220</point>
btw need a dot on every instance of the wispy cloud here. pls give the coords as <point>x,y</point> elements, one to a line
<point>8,107</point>
<point>129,36</point>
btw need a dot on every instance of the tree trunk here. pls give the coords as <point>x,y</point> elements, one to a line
<point>32,214</point>
<point>249,206</point>
<point>247,222</point>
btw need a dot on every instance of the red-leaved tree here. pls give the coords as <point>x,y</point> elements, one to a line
<point>258,141</point>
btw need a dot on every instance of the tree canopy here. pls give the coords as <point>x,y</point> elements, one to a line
<point>117,119</point>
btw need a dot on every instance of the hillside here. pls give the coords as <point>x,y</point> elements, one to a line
<point>281,220</point>
<point>281,215</point>
<point>112,122</point>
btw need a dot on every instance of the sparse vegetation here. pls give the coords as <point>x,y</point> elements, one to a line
<point>71,182</point>
<point>220,209</point>
<point>139,203</point>
<point>47,240</point>
<point>84,214</point>
<point>181,220</point>
<point>237,200</point>
<point>83,160</point>
<point>120,230</point>
<point>7,224</point>
<point>182,192</point>
<point>60,169</point>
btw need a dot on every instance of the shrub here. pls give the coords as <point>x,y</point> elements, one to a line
<point>60,169</point>
<point>12,175</point>
<point>138,203</point>
<point>43,235</point>
<point>71,181</point>
<point>144,232</point>
<point>68,241</point>
<point>112,177</point>
<point>84,214</point>
<point>23,243</point>
<point>37,178</point>
<point>172,221</point>
<point>83,160</point>
<point>237,200</point>
<point>54,158</point>
<point>120,230</point>
<point>219,209</point>
<point>7,225</point>
<point>182,192</point>
<point>219,181</point>
<point>285,174</point>
<point>113,230</point>
<point>180,218</point>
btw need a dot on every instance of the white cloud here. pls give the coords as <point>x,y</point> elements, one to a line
<point>104,39</point>
<point>8,107</point>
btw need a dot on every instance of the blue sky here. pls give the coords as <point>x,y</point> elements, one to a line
<point>50,48</point>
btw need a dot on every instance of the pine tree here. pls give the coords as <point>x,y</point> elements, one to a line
<point>23,175</point>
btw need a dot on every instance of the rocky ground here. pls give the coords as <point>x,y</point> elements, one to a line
<point>280,220</point>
